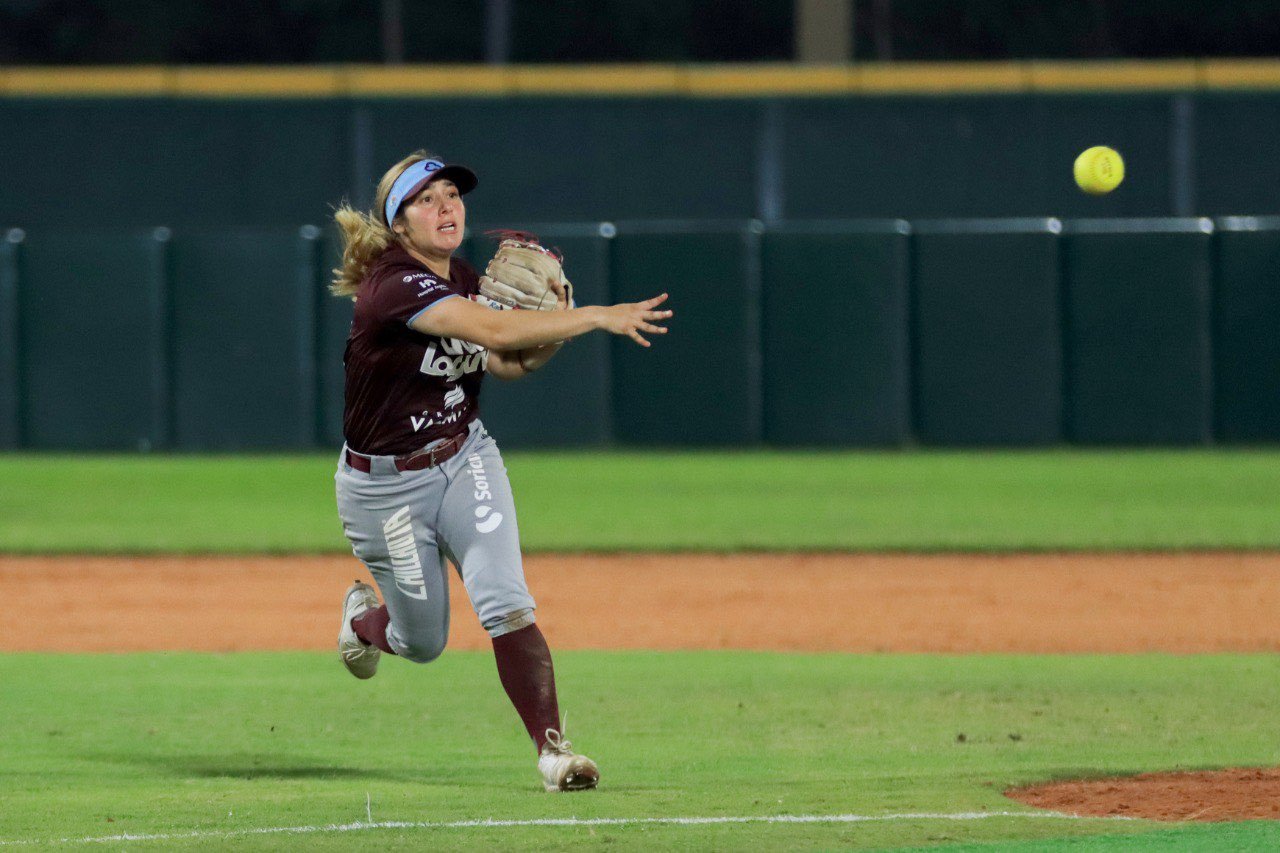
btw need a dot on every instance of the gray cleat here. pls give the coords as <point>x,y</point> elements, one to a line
<point>360,658</point>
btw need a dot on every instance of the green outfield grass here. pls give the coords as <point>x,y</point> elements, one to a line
<point>921,501</point>
<point>173,744</point>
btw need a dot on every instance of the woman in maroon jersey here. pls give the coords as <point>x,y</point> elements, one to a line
<point>420,482</point>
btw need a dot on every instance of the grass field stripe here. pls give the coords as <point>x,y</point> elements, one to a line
<point>495,823</point>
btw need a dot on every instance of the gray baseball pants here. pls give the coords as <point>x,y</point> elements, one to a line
<point>406,526</point>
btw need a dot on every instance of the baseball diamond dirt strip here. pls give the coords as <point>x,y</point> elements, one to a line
<point>1061,603</point>
<point>1217,795</point>
<point>1221,602</point>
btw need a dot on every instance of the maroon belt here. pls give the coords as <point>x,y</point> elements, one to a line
<point>428,457</point>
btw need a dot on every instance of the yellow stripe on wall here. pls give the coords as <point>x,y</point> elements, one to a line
<point>602,80</point>
<point>944,78</point>
<point>1242,74</point>
<point>250,82</point>
<point>748,81</point>
<point>426,80</point>
<point>108,82</point>
<point>1114,76</point>
<point>735,81</point>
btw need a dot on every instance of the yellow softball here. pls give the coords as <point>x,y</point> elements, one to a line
<point>1099,170</point>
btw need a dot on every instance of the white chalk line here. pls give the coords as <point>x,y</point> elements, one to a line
<point>487,823</point>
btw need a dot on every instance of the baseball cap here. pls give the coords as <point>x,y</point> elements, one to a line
<point>420,174</point>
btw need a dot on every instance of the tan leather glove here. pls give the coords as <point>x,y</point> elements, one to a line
<point>525,274</point>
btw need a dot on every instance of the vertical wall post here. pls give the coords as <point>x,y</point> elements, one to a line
<point>162,342</point>
<point>769,185</point>
<point>392,32</point>
<point>608,231</point>
<point>310,418</point>
<point>753,278</point>
<point>497,31</point>
<point>1182,154</point>
<point>824,31</point>
<point>361,157</point>
<point>11,375</point>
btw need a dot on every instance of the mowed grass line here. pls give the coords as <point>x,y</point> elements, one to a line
<point>1257,836</point>
<point>106,745</point>
<point>914,501</point>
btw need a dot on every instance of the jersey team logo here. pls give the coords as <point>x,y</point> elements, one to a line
<point>454,397</point>
<point>453,358</point>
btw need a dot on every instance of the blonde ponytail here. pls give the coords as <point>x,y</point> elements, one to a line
<point>363,240</point>
<point>365,236</point>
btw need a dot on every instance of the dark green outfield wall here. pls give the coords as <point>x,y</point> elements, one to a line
<point>1138,332</point>
<point>834,323</point>
<point>856,333</point>
<point>189,163</point>
<point>986,333</point>
<point>810,311</point>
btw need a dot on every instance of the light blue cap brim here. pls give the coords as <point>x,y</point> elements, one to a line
<point>417,176</point>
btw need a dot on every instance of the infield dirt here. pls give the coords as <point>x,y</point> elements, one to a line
<point>1182,603</point>
<point>1247,793</point>
<point>824,602</point>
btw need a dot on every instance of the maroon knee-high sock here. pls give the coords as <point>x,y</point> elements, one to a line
<point>524,665</point>
<point>371,627</point>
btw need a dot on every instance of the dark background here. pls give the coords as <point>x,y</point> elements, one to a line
<point>68,32</point>
<point>853,270</point>
<point>269,162</point>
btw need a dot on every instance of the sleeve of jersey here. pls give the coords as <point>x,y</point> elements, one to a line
<point>404,294</point>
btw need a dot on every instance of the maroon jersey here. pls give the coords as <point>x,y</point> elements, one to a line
<point>405,389</point>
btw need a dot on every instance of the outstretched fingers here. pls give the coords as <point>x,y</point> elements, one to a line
<point>641,318</point>
<point>649,328</point>
<point>649,305</point>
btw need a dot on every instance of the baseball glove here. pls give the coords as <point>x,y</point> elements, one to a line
<point>525,274</point>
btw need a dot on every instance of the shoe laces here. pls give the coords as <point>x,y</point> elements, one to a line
<point>556,741</point>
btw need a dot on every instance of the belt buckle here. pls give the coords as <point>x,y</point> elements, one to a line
<point>423,459</point>
<point>413,462</point>
<point>445,449</point>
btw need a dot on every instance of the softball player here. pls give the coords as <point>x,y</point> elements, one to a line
<point>420,483</point>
